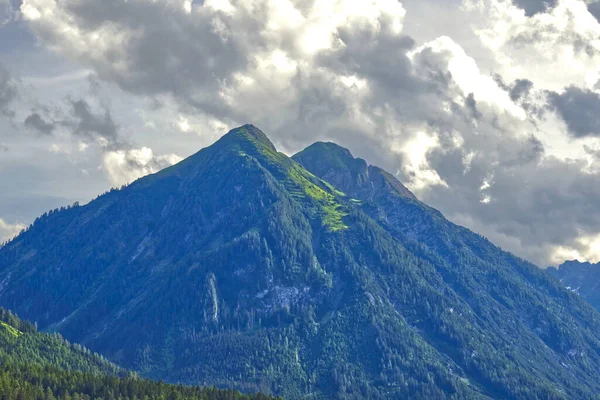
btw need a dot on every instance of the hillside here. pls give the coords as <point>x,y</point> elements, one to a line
<point>22,345</point>
<point>582,278</point>
<point>35,365</point>
<point>315,276</point>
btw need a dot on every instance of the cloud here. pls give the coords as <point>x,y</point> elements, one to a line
<point>122,162</point>
<point>35,122</point>
<point>536,203</point>
<point>93,126</point>
<point>125,166</point>
<point>584,248</point>
<point>594,152</point>
<point>243,48</point>
<point>90,122</point>
<point>8,231</point>
<point>520,89</point>
<point>579,108</point>
<point>8,92</point>
<point>7,11</point>
<point>564,38</point>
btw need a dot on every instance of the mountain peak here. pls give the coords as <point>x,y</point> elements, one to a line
<point>248,134</point>
<point>332,151</point>
<point>336,164</point>
<point>326,159</point>
<point>333,155</point>
<point>581,277</point>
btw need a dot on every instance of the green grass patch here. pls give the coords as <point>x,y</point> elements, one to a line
<point>333,217</point>
<point>332,211</point>
<point>11,331</point>
<point>299,183</point>
<point>264,147</point>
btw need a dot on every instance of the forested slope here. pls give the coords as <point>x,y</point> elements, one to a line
<point>36,365</point>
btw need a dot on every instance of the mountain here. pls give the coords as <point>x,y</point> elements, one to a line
<point>316,276</point>
<point>35,365</point>
<point>582,278</point>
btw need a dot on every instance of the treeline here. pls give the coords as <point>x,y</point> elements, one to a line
<point>13,320</point>
<point>21,344</point>
<point>49,383</point>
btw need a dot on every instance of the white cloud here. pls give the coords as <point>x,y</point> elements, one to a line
<point>183,124</point>
<point>416,167</point>
<point>553,49</point>
<point>585,248</point>
<point>467,76</point>
<point>125,166</point>
<point>8,231</point>
<point>222,57</point>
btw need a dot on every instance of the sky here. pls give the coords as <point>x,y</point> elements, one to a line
<point>488,110</point>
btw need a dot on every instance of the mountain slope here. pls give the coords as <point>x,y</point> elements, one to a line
<point>35,365</point>
<point>582,278</point>
<point>21,344</point>
<point>482,274</point>
<point>320,277</point>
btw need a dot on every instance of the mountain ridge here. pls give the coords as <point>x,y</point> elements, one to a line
<point>339,162</point>
<point>582,278</point>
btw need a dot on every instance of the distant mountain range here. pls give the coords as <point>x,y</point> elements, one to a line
<point>316,276</point>
<point>582,278</point>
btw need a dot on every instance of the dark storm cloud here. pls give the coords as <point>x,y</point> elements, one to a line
<point>471,105</point>
<point>534,204</point>
<point>521,93</point>
<point>36,122</point>
<point>169,55</point>
<point>579,108</point>
<point>521,88</point>
<point>89,125</point>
